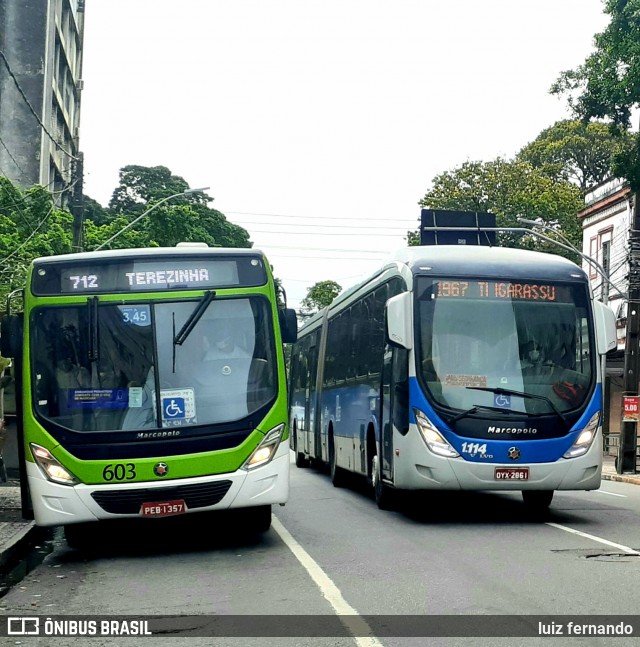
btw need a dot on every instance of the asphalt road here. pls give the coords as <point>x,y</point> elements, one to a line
<point>332,553</point>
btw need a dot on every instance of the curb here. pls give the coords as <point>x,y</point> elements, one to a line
<point>622,478</point>
<point>15,535</point>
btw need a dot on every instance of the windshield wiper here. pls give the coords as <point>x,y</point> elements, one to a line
<point>193,318</point>
<point>522,394</point>
<point>475,408</point>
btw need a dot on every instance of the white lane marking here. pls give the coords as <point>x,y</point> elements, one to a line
<point>624,496</point>
<point>328,589</point>
<point>624,549</point>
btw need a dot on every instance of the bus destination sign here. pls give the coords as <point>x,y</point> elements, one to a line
<point>511,290</point>
<point>148,275</point>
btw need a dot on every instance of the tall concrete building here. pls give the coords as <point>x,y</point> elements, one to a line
<point>40,90</point>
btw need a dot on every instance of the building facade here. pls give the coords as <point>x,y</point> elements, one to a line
<point>40,89</point>
<point>606,223</point>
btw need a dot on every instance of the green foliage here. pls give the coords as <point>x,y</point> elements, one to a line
<point>319,296</point>
<point>509,189</point>
<point>607,84</point>
<point>184,218</point>
<point>574,151</point>
<point>30,226</point>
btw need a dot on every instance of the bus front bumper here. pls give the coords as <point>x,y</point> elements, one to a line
<point>55,504</point>
<point>426,471</point>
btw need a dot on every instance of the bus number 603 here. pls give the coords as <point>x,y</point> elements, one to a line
<point>119,472</point>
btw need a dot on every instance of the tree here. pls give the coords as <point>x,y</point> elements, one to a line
<point>509,189</point>
<point>319,296</point>
<point>607,84</point>
<point>574,151</point>
<point>183,218</point>
<point>30,226</point>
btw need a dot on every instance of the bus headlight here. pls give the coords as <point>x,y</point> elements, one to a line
<point>585,438</point>
<point>432,437</point>
<point>266,450</point>
<point>51,467</point>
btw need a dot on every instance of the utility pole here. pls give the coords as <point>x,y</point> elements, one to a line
<point>77,202</point>
<point>628,435</point>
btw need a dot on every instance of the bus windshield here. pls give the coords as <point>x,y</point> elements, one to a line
<point>100,366</point>
<point>480,340</point>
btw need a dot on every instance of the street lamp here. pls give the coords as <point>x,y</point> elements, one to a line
<point>149,210</point>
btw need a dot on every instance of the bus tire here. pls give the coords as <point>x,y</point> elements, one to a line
<point>337,473</point>
<point>537,500</point>
<point>80,535</point>
<point>301,459</point>
<point>384,495</point>
<point>256,520</point>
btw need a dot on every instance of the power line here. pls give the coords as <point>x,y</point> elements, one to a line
<point>323,233</point>
<point>341,218</point>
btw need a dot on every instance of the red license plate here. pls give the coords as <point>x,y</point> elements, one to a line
<point>511,474</point>
<point>163,508</point>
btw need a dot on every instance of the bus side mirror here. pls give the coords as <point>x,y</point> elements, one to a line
<point>399,319</point>
<point>288,325</point>
<point>605,328</point>
<point>11,336</point>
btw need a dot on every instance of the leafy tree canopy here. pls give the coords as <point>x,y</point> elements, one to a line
<point>30,226</point>
<point>319,295</point>
<point>607,84</point>
<point>183,218</point>
<point>574,151</point>
<point>510,189</point>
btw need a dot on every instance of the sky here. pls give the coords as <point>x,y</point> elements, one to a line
<point>320,124</point>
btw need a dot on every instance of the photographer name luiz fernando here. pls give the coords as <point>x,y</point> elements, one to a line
<point>580,629</point>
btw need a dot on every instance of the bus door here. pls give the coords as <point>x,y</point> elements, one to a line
<point>386,431</point>
<point>395,403</point>
<point>310,435</point>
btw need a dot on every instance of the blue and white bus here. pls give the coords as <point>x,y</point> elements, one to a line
<point>456,368</point>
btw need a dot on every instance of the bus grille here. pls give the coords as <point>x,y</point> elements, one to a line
<point>198,495</point>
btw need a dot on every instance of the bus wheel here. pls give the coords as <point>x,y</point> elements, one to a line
<point>80,535</point>
<point>537,500</point>
<point>385,496</point>
<point>337,474</point>
<point>301,460</point>
<point>256,520</point>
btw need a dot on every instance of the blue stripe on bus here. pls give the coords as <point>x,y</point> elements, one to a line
<point>532,451</point>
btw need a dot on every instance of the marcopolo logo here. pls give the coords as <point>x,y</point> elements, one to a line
<point>512,430</point>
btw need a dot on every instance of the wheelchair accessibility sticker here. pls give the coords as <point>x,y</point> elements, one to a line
<point>502,400</point>
<point>178,407</point>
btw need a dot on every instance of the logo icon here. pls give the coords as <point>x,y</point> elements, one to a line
<point>26,626</point>
<point>514,453</point>
<point>161,469</point>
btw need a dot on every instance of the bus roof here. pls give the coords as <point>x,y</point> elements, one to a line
<point>140,252</point>
<point>488,261</point>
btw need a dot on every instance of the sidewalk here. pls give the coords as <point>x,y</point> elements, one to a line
<point>15,531</point>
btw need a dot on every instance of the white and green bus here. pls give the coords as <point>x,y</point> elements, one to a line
<point>151,382</point>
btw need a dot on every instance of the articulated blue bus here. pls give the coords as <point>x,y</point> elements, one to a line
<point>475,368</point>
